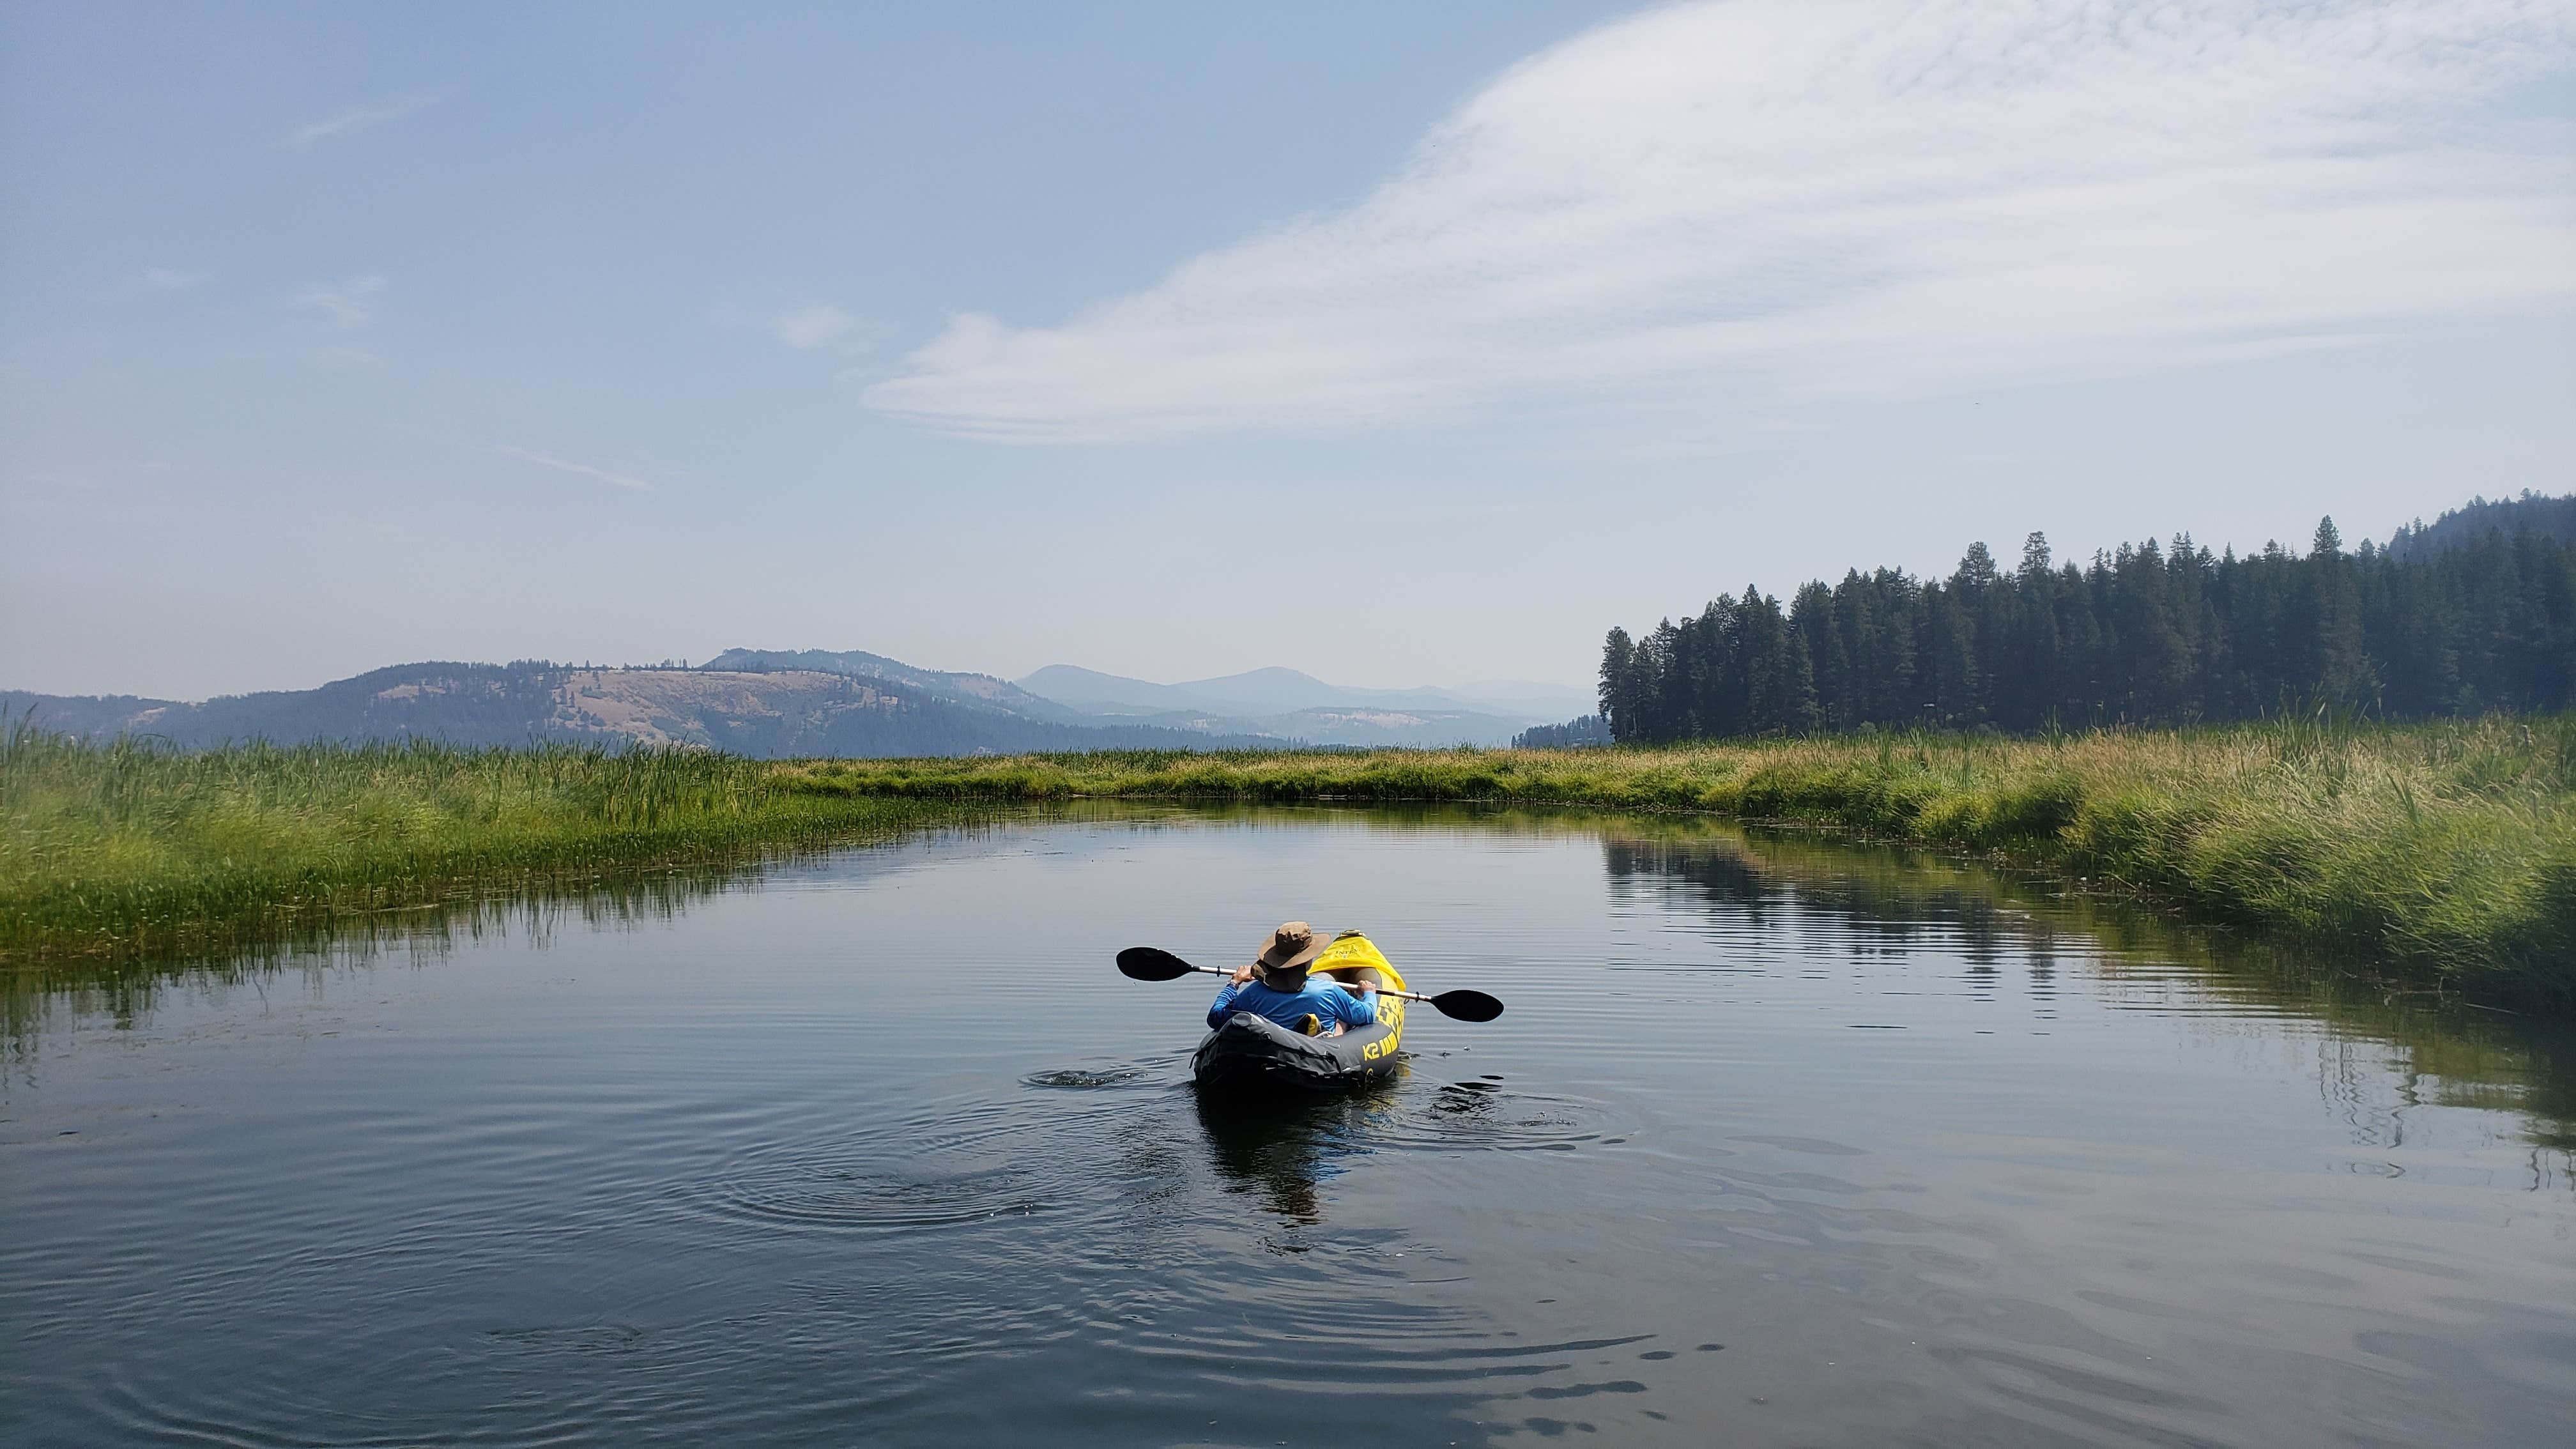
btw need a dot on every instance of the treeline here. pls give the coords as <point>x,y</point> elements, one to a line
<point>1575,734</point>
<point>2149,633</point>
<point>2550,517</point>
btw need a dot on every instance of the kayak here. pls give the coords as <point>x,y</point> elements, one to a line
<point>1255,1056</point>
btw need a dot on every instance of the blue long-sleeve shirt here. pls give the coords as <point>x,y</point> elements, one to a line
<point>1323,999</point>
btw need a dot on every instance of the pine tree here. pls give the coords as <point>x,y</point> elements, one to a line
<point>1618,685</point>
<point>2146,632</point>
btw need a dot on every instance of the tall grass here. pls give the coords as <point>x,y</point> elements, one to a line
<point>2448,849</point>
<point>129,849</point>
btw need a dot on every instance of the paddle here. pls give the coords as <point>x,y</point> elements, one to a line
<point>1152,963</point>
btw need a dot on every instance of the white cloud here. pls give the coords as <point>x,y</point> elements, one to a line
<point>169,279</point>
<point>357,118</point>
<point>1723,204</point>
<point>348,304</point>
<point>566,465</point>
<point>816,324</point>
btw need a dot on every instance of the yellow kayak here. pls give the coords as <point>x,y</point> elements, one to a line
<point>1253,1055</point>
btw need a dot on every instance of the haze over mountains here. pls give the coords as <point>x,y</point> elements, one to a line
<point>1269,691</point>
<point>774,703</point>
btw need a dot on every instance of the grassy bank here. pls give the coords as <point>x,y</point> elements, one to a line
<point>2447,850</point>
<point>125,850</point>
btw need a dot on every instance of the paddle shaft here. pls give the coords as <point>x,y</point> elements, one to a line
<point>1153,963</point>
<point>1380,990</point>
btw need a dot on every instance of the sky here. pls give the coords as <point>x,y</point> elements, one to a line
<point>1398,343</point>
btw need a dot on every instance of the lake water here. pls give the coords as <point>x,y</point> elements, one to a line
<point>1779,1142</point>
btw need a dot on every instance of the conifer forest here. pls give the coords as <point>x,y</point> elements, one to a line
<point>2147,634</point>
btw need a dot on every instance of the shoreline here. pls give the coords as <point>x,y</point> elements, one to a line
<point>2444,852</point>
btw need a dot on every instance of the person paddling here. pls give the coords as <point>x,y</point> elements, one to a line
<point>1275,985</point>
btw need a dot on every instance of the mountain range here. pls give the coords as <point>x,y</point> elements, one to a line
<point>1273,691</point>
<point>775,703</point>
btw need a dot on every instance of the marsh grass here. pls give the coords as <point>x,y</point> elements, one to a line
<point>129,850</point>
<point>2444,849</point>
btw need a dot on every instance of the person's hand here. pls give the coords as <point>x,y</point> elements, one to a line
<point>1242,975</point>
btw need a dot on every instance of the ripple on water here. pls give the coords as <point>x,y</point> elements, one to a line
<point>1084,1077</point>
<point>958,1163</point>
<point>1485,1116</point>
<point>808,1193</point>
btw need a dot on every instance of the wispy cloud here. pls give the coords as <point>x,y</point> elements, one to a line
<point>356,118</point>
<point>347,303</point>
<point>566,465</point>
<point>170,279</point>
<point>816,324</point>
<point>347,359</point>
<point>1725,205</point>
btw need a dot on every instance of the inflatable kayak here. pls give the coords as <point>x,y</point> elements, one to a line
<point>1255,1056</point>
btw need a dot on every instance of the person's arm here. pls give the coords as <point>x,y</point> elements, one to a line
<point>1359,1008</point>
<point>1225,997</point>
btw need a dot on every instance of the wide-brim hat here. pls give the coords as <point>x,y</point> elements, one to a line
<point>1291,949</point>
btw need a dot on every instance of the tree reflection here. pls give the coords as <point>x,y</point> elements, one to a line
<point>2447,1051</point>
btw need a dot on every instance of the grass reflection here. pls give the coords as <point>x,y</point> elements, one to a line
<point>2057,936</point>
<point>122,988</point>
<point>2443,1050</point>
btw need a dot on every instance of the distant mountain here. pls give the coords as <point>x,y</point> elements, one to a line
<point>1355,725</point>
<point>1286,702</point>
<point>1374,725</point>
<point>1095,693</point>
<point>777,702</point>
<point>465,703</point>
<point>2550,517</point>
<point>971,690</point>
<point>1273,691</point>
<point>1527,697</point>
<point>766,713</point>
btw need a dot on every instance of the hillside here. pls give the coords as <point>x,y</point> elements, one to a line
<point>1287,704</point>
<point>967,689</point>
<point>2553,518</point>
<point>780,702</point>
<point>764,713</point>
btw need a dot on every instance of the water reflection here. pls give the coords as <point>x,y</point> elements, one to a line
<point>1280,1153</point>
<point>2442,1051</point>
<point>859,1151</point>
<point>123,987</point>
<point>2008,929</point>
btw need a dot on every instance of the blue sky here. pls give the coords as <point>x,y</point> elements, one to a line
<point>1400,344</point>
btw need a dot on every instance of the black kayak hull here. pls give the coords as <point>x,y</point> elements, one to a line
<point>1252,1056</point>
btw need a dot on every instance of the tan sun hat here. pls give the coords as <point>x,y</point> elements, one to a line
<point>1290,950</point>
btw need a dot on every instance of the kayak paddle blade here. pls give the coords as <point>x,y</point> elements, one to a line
<point>1467,1005</point>
<point>1152,963</point>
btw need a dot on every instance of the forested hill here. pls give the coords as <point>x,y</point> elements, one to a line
<point>2550,517</point>
<point>2148,633</point>
<point>762,712</point>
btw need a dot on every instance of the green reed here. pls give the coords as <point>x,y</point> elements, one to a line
<point>126,848</point>
<point>2447,849</point>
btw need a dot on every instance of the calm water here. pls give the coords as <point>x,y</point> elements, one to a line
<point>1779,1142</point>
